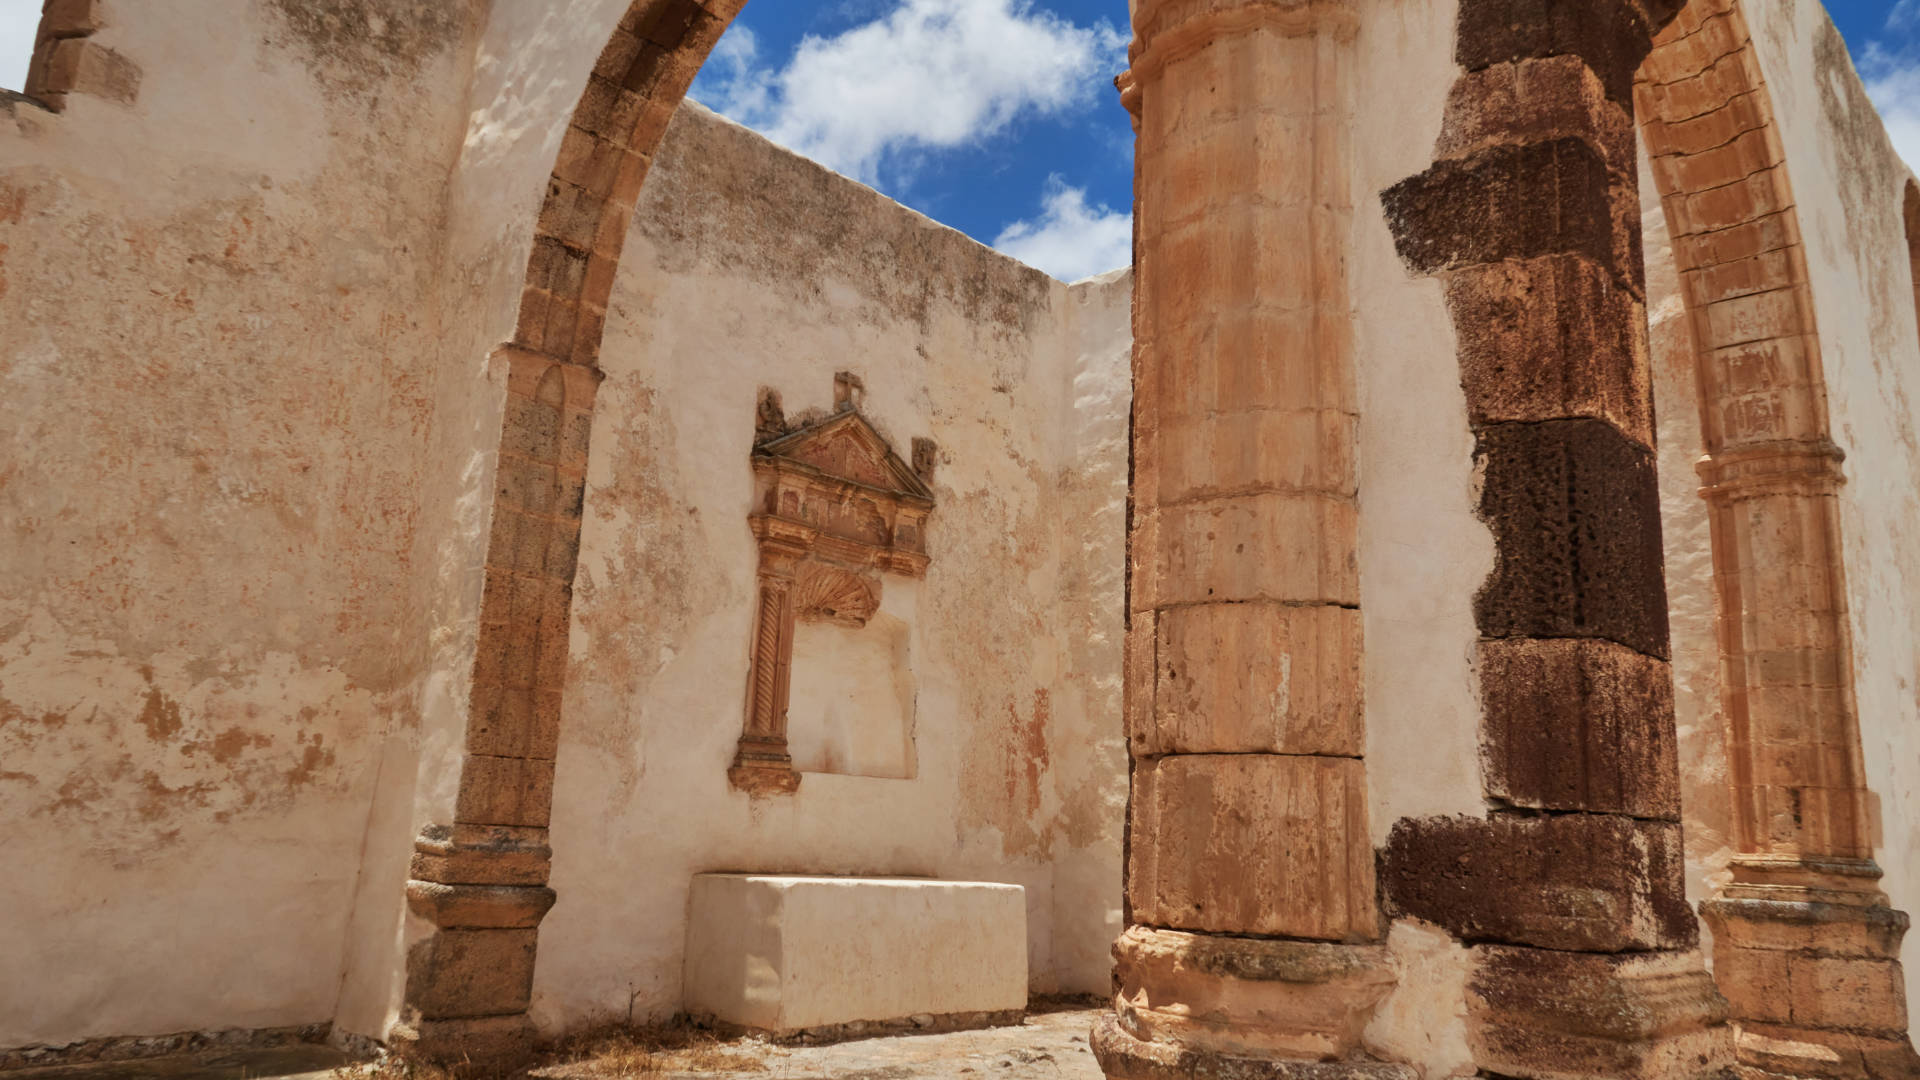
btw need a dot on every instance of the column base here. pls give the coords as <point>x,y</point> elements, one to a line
<point>1124,1057</point>
<point>761,766</point>
<point>1809,956</point>
<point>482,891</point>
<point>475,1046</point>
<point>1548,1015</point>
<point>1199,1005</point>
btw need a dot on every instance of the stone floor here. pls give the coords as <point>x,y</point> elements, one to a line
<point>303,1060</point>
<point>1050,1045</point>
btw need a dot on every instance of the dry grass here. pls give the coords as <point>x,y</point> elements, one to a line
<point>391,1067</point>
<point>615,1051</point>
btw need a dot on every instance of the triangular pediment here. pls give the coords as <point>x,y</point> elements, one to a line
<point>846,447</point>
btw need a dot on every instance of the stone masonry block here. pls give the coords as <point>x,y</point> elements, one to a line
<point>1610,36</point>
<point>1850,992</point>
<point>1590,1016</point>
<point>1518,202</point>
<point>785,953</point>
<point>1233,678</point>
<point>1269,546</point>
<point>1533,101</point>
<point>480,972</point>
<point>79,66</point>
<point>1578,882</point>
<point>505,791</point>
<point>1548,338</point>
<point>1579,724</point>
<point>1574,507</point>
<point>1252,844</point>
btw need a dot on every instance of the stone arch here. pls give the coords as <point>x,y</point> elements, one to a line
<point>1911,214</point>
<point>480,880</point>
<point>1770,475</point>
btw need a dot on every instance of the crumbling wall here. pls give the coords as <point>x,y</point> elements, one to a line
<point>747,267</point>
<point>218,381</point>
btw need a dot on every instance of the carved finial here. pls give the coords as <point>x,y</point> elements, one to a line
<point>770,421</point>
<point>848,391</point>
<point>925,453</point>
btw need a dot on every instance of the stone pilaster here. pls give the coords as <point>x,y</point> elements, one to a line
<point>479,883</point>
<point>1571,889</point>
<point>761,765</point>
<point>1254,946</point>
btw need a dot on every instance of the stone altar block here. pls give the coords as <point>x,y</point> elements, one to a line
<point>838,955</point>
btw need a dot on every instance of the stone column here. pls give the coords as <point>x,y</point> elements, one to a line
<point>1254,940</point>
<point>1571,889</point>
<point>480,883</point>
<point>762,766</point>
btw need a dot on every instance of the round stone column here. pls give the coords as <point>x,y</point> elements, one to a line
<point>1254,946</point>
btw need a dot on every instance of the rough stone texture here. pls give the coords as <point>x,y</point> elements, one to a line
<point>1582,882</point>
<point>1609,36</point>
<point>460,973</point>
<point>1251,844</point>
<point>1279,998</point>
<point>1574,508</point>
<point>1549,338</point>
<point>1579,724</point>
<point>1517,202</point>
<point>1255,677</point>
<point>781,953</point>
<point>1561,1015</point>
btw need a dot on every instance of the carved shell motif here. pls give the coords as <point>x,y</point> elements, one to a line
<point>830,594</point>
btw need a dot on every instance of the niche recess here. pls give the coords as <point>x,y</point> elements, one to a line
<point>835,511</point>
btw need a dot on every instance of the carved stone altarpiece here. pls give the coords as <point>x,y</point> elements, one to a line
<point>834,508</point>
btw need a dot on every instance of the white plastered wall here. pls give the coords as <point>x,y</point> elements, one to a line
<point>748,266</point>
<point>220,334</point>
<point>1423,551</point>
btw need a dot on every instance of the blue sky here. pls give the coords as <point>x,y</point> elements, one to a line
<point>998,117</point>
<point>870,87</point>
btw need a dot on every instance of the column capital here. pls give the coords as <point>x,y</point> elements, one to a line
<point>1167,30</point>
<point>1775,467</point>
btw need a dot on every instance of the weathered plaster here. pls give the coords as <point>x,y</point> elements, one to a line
<point>219,391</point>
<point>748,266</point>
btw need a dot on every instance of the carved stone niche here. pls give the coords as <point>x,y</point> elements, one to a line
<point>834,509</point>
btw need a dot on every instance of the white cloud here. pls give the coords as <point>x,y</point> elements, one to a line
<point>1893,82</point>
<point>19,20</point>
<point>930,75</point>
<point>1904,16</point>
<point>1070,239</point>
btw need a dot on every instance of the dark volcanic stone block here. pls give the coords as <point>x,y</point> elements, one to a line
<point>1574,506</point>
<point>1578,724</point>
<point>1609,35</point>
<point>1550,339</point>
<point>1518,202</point>
<point>1578,882</point>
